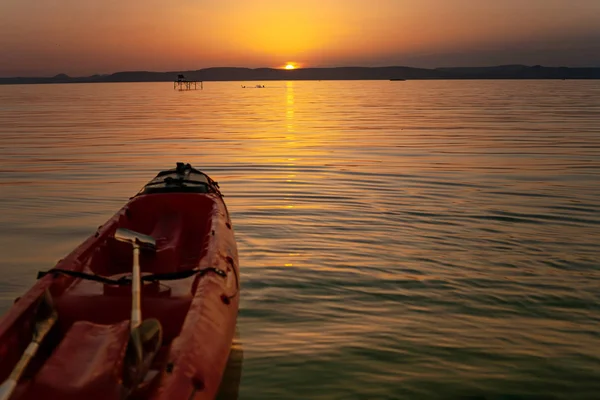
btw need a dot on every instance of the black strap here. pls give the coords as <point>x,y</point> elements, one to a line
<point>126,280</point>
<point>173,276</point>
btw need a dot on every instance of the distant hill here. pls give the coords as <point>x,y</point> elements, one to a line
<point>341,73</point>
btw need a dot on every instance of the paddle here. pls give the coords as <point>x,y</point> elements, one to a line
<point>146,336</point>
<point>137,240</point>
<point>45,317</point>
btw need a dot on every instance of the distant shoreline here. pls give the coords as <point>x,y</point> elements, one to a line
<point>326,74</point>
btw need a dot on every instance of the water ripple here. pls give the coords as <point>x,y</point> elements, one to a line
<point>419,241</point>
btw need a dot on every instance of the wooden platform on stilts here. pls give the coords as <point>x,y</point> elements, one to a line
<point>182,84</point>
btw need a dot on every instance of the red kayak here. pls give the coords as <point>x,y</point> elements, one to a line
<point>144,309</point>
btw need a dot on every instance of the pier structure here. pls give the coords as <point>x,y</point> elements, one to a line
<point>183,84</point>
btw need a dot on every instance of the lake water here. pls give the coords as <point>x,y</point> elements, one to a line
<point>398,240</point>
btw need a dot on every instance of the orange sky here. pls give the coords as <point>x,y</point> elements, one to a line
<point>39,37</point>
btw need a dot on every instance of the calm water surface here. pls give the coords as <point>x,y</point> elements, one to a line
<point>398,240</point>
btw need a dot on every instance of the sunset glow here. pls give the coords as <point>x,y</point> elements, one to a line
<point>98,37</point>
<point>290,66</point>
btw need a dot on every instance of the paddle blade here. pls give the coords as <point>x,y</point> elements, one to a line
<point>45,317</point>
<point>145,242</point>
<point>144,343</point>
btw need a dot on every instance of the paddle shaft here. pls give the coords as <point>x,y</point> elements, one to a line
<point>11,383</point>
<point>40,331</point>
<point>29,352</point>
<point>136,307</point>
<point>137,241</point>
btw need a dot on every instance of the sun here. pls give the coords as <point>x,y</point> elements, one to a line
<point>290,66</point>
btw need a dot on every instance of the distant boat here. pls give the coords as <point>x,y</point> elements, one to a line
<point>397,79</point>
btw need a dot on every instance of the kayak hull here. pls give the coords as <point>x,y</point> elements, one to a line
<point>190,285</point>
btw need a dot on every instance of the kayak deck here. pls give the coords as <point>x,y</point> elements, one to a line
<point>181,241</point>
<point>190,285</point>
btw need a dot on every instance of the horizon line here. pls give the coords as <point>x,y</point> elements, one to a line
<point>295,69</point>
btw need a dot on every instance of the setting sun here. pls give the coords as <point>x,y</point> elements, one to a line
<point>290,66</point>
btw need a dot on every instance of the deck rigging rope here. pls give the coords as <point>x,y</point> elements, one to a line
<point>126,280</point>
